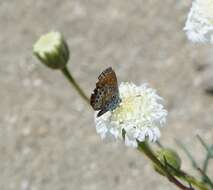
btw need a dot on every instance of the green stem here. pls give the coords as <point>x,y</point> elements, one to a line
<point>144,147</point>
<point>192,180</point>
<point>203,143</point>
<point>205,164</point>
<point>159,144</point>
<point>182,146</point>
<point>72,81</point>
<point>205,179</point>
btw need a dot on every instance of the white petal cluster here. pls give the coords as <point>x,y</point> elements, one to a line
<point>140,115</point>
<point>199,24</point>
<point>52,50</point>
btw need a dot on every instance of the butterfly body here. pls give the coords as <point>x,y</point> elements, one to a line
<point>106,95</point>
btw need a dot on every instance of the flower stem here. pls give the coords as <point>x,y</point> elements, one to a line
<point>193,181</point>
<point>144,147</point>
<point>183,147</point>
<point>205,178</point>
<point>189,179</point>
<point>72,81</point>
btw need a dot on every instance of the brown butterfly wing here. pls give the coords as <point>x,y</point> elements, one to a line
<point>107,77</point>
<point>106,85</point>
<point>96,99</point>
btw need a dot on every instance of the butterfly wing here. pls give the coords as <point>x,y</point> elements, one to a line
<point>106,92</point>
<point>107,77</point>
<point>97,100</point>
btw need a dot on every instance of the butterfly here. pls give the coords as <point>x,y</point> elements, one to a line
<point>105,96</point>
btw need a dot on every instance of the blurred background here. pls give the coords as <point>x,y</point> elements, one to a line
<point>47,134</point>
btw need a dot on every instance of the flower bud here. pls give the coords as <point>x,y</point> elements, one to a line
<point>169,159</point>
<point>52,50</point>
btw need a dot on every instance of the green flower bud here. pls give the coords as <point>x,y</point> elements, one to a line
<point>52,50</point>
<point>169,157</point>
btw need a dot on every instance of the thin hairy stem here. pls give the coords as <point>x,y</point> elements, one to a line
<point>72,81</point>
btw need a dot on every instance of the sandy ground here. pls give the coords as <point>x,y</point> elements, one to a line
<point>47,135</point>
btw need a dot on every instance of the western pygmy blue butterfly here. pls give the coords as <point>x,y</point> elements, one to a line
<point>106,95</point>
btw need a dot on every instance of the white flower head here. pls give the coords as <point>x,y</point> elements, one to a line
<point>140,114</point>
<point>52,50</point>
<point>199,24</point>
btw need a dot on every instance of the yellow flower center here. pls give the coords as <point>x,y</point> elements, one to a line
<point>128,106</point>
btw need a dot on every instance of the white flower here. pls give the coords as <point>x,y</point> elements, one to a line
<point>140,115</point>
<point>199,24</point>
<point>52,50</point>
